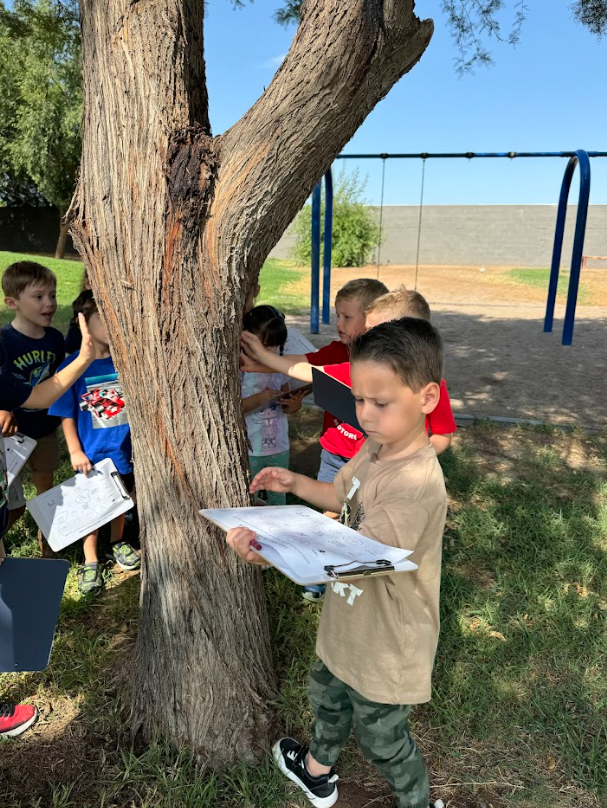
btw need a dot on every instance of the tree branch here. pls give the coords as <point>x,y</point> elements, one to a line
<point>344,59</point>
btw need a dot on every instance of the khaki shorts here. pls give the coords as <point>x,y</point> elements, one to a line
<point>45,456</point>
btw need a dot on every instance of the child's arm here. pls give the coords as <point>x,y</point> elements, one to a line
<point>283,481</point>
<point>293,402</point>
<point>47,392</point>
<point>257,400</point>
<point>441,442</point>
<point>8,424</point>
<point>79,460</point>
<point>255,358</point>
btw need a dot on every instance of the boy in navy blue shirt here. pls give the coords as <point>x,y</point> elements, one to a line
<point>30,352</point>
<point>17,718</point>
<point>94,422</point>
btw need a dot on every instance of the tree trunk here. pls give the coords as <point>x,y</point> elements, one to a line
<point>173,226</point>
<point>64,227</point>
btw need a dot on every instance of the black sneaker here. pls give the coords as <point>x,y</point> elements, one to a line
<point>90,579</point>
<point>124,555</point>
<point>291,756</point>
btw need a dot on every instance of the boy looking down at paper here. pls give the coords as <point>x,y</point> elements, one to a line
<point>377,636</point>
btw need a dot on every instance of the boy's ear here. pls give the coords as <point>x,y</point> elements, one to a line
<point>11,303</point>
<point>430,397</point>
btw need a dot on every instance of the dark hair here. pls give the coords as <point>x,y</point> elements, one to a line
<point>268,324</point>
<point>411,347</point>
<point>84,304</point>
<point>25,273</point>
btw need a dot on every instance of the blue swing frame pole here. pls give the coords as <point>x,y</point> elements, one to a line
<point>328,246</point>
<point>580,158</point>
<point>315,261</point>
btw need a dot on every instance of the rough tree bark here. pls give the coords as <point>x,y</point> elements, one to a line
<point>173,226</point>
<point>64,227</point>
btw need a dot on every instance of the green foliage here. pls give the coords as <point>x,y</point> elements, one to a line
<point>40,98</point>
<point>355,226</point>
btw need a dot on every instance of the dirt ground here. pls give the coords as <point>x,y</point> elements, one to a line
<point>498,361</point>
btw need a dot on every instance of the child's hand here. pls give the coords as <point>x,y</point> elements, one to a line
<point>80,462</point>
<point>268,395</point>
<point>253,346</point>
<point>241,540</point>
<point>248,365</point>
<point>293,402</point>
<point>8,424</point>
<point>275,479</point>
<point>87,352</point>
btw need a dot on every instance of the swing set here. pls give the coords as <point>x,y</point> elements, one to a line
<point>579,157</point>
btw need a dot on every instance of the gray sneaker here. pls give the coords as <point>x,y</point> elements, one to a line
<point>125,556</point>
<point>90,579</point>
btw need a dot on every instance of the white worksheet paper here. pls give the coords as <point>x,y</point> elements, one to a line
<point>18,448</point>
<point>301,542</point>
<point>84,503</point>
<point>297,344</point>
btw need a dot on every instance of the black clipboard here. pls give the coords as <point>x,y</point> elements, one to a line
<point>30,596</point>
<point>335,397</point>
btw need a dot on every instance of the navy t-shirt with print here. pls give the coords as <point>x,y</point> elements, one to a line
<point>28,361</point>
<point>96,403</point>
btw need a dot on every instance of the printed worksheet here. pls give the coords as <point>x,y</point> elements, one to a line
<point>297,344</point>
<point>18,448</point>
<point>309,547</point>
<point>76,507</point>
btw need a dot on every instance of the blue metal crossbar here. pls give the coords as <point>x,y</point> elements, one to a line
<point>579,158</point>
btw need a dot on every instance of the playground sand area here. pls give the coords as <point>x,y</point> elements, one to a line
<point>498,361</point>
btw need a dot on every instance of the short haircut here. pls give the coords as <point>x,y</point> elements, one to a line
<point>402,302</point>
<point>411,347</point>
<point>365,290</point>
<point>268,324</point>
<point>85,304</point>
<point>26,273</point>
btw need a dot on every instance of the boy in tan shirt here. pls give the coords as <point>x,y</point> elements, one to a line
<point>377,637</point>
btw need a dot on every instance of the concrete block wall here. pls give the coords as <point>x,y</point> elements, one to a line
<point>512,235</point>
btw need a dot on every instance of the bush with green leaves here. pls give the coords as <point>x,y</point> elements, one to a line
<point>355,225</point>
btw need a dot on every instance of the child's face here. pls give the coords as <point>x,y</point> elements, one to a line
<point>37,304</point>
<point>350,320</point>
<point>388,410</point>
<point>97,329</point>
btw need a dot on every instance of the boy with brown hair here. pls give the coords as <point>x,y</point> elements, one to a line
<point>377,636</point>
<point>30,352</point>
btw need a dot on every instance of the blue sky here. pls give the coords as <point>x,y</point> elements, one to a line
<point>543,95</point>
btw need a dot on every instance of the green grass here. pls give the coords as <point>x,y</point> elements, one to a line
<point>520,695</point>
<point>277,280</point>
<point>539,279</point>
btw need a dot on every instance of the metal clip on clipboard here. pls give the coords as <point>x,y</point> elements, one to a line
<point>118,480</point>
<point>366,568</point>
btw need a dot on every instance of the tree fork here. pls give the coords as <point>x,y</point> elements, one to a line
<point>173,227</point>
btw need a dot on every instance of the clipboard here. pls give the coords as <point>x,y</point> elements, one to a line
<point>18,449</point>
<point>297,344</point>
<point>310,548</point>
<point>305,388</point>
<point>80,505</point>
<point>30,596</point>
<point>335,397</point>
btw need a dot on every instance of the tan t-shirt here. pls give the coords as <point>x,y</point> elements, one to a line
<point>379,635</point>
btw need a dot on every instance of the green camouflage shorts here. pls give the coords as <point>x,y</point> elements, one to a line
<point>381,730</point>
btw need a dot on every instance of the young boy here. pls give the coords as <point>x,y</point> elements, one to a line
<point>17,718</point>
<point>30,352</point>
<point>95,426</point>
<point>377,636</point>
<point>350,304</point>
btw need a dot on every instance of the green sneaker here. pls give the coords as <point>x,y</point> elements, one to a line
<point>125,556</point>
<point>90,579</point>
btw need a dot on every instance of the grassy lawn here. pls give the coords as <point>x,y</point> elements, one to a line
<point>539,279</point>
<point>519,713</point>
<point>277,280</point>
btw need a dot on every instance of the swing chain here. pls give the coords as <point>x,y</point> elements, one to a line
<point>419,225</point>
<point>381,210</point>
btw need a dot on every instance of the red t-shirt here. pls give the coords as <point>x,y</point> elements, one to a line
<point>338,354</point>
<point>346,441</point>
